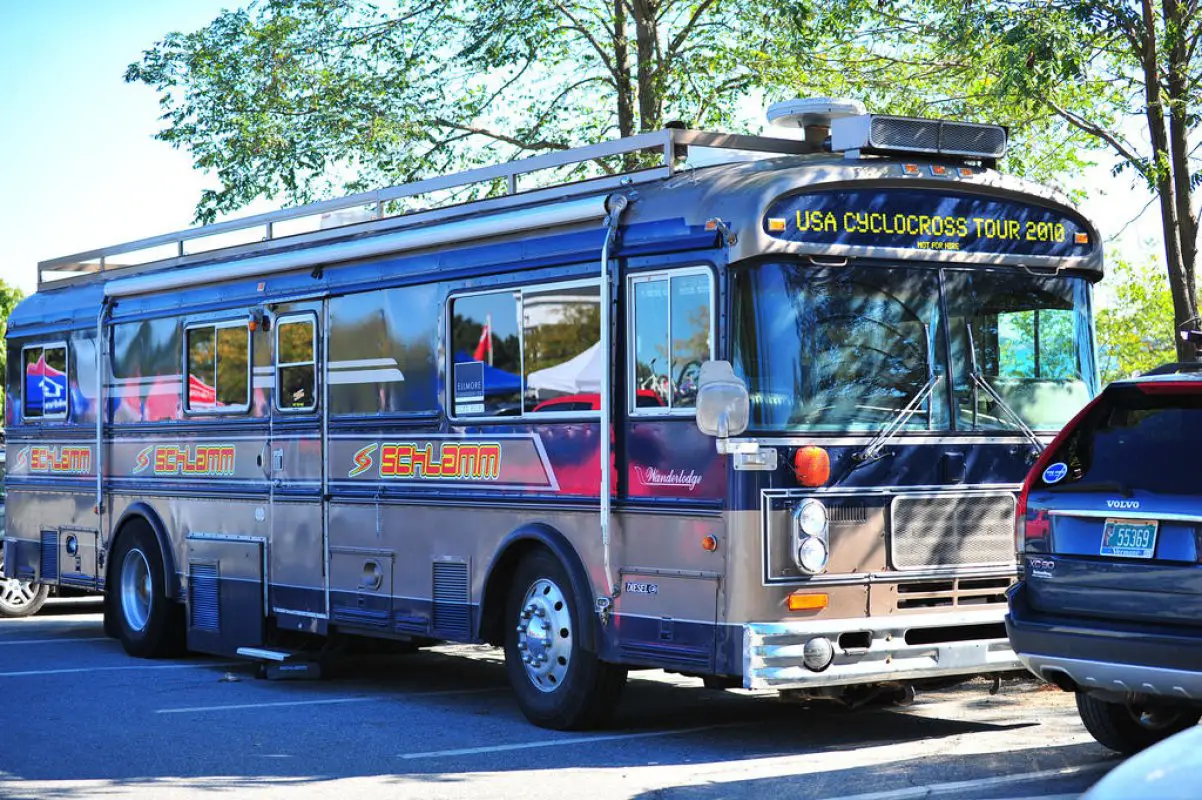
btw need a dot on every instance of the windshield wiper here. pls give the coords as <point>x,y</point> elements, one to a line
<point>979,380</point>
<point>872,451</point>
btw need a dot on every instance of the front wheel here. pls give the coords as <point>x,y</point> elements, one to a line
<point>1130,727</point>
<point>558,683</point>
<point>20,598</point>
<point>148,623</point>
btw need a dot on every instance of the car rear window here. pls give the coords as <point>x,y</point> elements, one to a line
<point>1135,440</point>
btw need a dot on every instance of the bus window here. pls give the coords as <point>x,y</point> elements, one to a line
<point>561,349</point>
<point>218,367</point>
<point>487,373</point>
<point>296,362</point>
<point>46,385</point>
<point>672,335</point>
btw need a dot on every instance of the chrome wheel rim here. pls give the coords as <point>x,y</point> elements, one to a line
<point>15,594</point>
<point>135,589</point>
<point>544,629</point>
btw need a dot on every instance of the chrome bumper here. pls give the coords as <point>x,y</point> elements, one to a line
<point>772,651</point>
<point>1119,678</point>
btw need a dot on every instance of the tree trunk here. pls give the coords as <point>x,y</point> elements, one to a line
<point>1179,98</point>
<point>1185,309</point>
<point>622,71</point>
<point>646,28</point>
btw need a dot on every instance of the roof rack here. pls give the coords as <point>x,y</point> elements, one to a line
<point>1175,368</point>
<point>668,147</point>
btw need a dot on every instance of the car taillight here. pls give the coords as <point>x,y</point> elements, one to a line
<point>1039,526</point>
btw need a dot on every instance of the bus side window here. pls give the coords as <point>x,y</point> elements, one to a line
<point>218,367</point>
<point>671,336</point>
<point>487,364</point>
<point>45,387</point>
<point>295,363</point>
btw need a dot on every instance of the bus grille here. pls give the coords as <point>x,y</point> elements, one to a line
<point>937,531</point>
<point>451,609</point>
<point>49,556</point>
<point>205,598</point>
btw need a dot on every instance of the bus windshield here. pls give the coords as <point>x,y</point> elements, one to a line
<point>831,349</point>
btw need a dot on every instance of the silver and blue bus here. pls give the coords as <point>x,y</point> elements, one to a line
<point>749,409</point>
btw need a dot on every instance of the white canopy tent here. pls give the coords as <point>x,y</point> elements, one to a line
<point>578,375</point>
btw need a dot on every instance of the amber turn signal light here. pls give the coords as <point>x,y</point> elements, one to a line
<point>709,543</point>
<point>802,601</point>
<point>812,466</point>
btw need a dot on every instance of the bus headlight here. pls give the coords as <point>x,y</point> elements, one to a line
<point>810,524</point>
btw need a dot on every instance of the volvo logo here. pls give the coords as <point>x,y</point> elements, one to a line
<point>1126,504</point>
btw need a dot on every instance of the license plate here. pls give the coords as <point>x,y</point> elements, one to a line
<point>1129,538</point>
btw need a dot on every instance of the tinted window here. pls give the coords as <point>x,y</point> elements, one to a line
<point>1133,440</point>
<point>46,387</point>
<point>383,351</point>
<point>218,367</point>
<point>671,338</point>
<point>296,360</point>
<point>561,347</point>
<point>146,370</point>
<point>487,370</point>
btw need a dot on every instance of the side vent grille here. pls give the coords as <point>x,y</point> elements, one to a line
<point>49,566</point>
<point>204,598</point>
<point>847,515</point>
<point>452,617</point>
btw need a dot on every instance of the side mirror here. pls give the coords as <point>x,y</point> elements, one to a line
<point>723,404</point>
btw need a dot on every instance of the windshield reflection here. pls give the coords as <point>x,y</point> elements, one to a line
<point>848,348</point>
<point>837,349</point>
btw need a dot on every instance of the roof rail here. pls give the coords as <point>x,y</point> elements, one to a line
<point>656,155</point>
<point>1174,368</point>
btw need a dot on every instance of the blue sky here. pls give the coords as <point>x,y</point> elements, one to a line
<point>81,170</point>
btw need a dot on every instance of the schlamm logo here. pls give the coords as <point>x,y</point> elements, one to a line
<point>198,460</point>
<point>56,460</point>
<point>430,461</point>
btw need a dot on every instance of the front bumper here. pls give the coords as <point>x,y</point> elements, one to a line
<point>1107,655</point>
<point>900,648</point>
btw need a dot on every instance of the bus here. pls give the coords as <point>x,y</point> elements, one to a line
<point>815,367</point>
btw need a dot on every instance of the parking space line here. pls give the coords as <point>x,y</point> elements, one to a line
<point>52,641</point>
<point>325,701</point>
<point>76,670</point>
<point>959,788</point>
<point>569,741</point>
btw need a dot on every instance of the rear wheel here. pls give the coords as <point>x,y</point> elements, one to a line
<point>558,683</point>
<point>148,623</point>
<point>20,598</point>
<point>1130,727</point>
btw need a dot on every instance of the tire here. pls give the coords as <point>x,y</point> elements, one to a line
<point>20,598</point>
<point>148,623</point>
<point>559,684</point>
<point>1127,728</point>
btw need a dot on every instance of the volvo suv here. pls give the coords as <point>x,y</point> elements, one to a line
<point>1109,534</point>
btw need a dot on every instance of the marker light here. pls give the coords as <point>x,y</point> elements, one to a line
<point>938,170</point>
<point>808,601</point>
<point>812,466</point>
<point>911,169</point>
<point>709,543</point>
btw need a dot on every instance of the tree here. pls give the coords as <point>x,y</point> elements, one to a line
<point>1135,328</point>
<point>1083,66</point>
<point>9,297</point>
<point>301,98</point>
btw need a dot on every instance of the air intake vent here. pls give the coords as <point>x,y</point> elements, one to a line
<point>952,530</point>
<point>452,618</point>
<point>204,595</point>
<point>49,565</point>
<point>873,133</point>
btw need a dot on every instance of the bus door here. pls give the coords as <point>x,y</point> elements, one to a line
<point>296,463</point>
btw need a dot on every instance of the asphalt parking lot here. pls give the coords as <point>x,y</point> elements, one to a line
<point>82,719</point>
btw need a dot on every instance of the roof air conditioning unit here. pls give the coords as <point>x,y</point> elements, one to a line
<point>813,115</point>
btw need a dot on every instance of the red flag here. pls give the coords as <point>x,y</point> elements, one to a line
<point>482,345</point>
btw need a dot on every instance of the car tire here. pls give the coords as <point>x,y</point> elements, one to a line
<point>558,683</point>
<point>20,598</point>
<point>148,622</point>
<point>1127,728</point>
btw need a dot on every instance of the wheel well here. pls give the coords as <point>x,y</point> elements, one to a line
<point>500,578</point>
<point>133,518</point>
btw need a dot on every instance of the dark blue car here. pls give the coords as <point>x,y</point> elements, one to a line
<point>1109,534</point>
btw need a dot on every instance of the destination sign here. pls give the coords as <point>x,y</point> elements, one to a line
<point>922,219</point>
